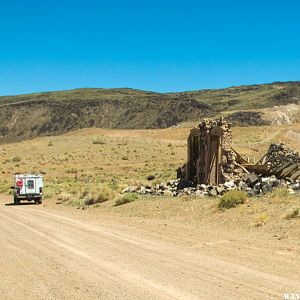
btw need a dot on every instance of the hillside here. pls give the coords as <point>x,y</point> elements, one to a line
<point>52,113</point>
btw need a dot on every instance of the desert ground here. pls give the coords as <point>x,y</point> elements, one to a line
<point>53,253</point>
<point>153,247</point>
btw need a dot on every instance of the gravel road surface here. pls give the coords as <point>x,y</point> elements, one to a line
<point>50,254</point>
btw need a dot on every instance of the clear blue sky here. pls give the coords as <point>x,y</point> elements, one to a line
<point>159,45</point>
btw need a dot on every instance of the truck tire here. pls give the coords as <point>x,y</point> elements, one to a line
<point>38,201</point>
<point>16,200</point>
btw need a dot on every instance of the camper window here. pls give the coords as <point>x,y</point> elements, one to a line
<point>30,184</point>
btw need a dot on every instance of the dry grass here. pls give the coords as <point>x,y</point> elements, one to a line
<point>92,161</point>
<point>98,158</point>
<point>127,198</point>
<point>253,142</point>
<point>81,172</point>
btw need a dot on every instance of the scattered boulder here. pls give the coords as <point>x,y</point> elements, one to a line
<point>150,177</point>
<point>242,186</point>
<point>229,185</point>
<point>213,192</point>
<point>267,188</point>
<point>253,185</point>
<point>220,189</point>
<point>280,154</point>
<point>199,193</point>
<point>251,179</point>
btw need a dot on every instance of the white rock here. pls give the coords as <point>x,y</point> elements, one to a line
<point>229,184</point>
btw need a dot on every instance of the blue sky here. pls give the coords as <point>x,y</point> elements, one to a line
<point>151,45</point>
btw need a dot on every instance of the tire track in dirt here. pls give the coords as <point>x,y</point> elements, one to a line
<point>142,265</point>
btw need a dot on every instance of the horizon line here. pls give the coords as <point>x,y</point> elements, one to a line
<point>142,90</point>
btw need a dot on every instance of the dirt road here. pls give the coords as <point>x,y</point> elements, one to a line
<point>50,254</point>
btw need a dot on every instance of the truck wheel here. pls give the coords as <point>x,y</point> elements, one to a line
<point>16,200</point>
<point>38,201</point>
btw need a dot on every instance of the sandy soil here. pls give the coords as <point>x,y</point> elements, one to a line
<point>49,253</point>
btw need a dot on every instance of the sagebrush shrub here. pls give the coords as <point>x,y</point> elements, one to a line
<point>294,214</point>
<point>96,197</point>
<point>232,198</point>
<point>98,141</point>
<point>127,198</point>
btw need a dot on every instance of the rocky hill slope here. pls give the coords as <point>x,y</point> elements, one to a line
<point>28,116</point>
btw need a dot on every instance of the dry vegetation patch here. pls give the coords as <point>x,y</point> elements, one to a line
<point>232,199</point>
<point>87,168</point>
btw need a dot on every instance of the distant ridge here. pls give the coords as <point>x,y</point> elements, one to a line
<point>52,113</point>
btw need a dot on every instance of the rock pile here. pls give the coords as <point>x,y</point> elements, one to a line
<point>252,184</point>
<point>281,154</point>
<point>231,171</point>
<point>277,162</point>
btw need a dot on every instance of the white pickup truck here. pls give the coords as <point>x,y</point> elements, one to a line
<point>28,187</point>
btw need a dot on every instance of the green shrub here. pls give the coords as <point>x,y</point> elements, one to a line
<point>127,198</point>
<point>75,202</point>
<point>64,197</point>
<point>15,159</point>
<point>47,194</point>
<point>262,220</point>
<point>5,188</point>
<point>294,214</point>
<point>50,144</point>
<point>231,199</point>
<point>93,198</point>
<point>281,193</point>
<point>98,141</point>
<point>83,194</point>
<point>72,171</point>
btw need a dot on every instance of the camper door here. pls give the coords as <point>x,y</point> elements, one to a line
<point>30,186</point>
